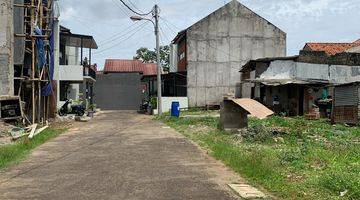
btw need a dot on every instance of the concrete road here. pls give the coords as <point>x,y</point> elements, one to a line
<point>118,155</point>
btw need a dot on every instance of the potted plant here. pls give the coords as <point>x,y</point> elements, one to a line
<point>92,109</point>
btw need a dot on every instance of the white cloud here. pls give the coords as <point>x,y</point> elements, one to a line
<point>67,13</point>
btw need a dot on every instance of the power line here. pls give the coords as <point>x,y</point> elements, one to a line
<point>121,8</point>
<point>170,27</point>
<point>131,35</point>
<point>141,14</point>
<point>120,34</point>
<point>134,6</point>
<point>168,22</point>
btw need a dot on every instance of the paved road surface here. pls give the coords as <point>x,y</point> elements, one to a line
<point>118,155</point>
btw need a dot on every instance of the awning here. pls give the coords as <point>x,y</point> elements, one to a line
<point>76,40</point>
<point>278,82</point>
<point>255,108</point>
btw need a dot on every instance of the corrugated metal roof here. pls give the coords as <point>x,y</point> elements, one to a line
<point>119,65</point>
<point>331,48</point>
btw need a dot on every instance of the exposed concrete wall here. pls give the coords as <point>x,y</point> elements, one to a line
<point>6,48</point>
<point>71,73</point>
<point>286,69</point>
<point>220,44</point>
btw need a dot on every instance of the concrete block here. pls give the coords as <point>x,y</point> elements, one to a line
<point>200,96</point>
<point>191,77</point>
<point>191,91</point>
<point>210,75</point>
<point>211,53</point>
<point>246,191</point>
<point>259,27</point>
<point>232,116</point>
<point>201,72</point>
<point>235,49</point>
<point>246,47</point>
<point>192,50</point>
<point>258,48</point>
<point>202,50</point>
<point>270,49</point>
<point>246,26</point>
<point>223,50</point>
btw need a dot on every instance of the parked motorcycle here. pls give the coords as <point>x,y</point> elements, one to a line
<point>78,110</point>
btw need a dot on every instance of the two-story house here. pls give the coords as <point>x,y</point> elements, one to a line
<point>74,71</point>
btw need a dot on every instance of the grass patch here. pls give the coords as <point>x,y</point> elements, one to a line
<point>13,153</point>
<point>291,157</point>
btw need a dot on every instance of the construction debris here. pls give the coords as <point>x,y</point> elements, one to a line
<point>32,132</point>
<point>17,133</point>
<point>234,112</point>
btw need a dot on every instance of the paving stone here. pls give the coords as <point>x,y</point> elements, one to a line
<point>246,191</point>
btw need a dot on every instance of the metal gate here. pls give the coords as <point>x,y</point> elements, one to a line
<point>118,91</point>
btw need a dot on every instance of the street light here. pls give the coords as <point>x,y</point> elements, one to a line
<point>156,26</point>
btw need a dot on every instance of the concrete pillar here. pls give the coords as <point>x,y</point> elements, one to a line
<point>56,59</point>
<point>6,48</point>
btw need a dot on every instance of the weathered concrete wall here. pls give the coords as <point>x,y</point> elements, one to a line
<point>220,44</point>
<point>6,48</point>
<point>286,69</point>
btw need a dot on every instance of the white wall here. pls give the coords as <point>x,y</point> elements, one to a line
<point>71,73</point>
<point>167,101</point>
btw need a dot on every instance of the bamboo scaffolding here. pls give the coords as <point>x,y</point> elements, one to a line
<point>36,14</point>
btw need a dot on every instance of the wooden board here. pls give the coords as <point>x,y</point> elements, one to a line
<point>255,108</point>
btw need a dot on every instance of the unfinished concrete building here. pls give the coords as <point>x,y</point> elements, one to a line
<point>6,49</point>
<point>26,60</point>
<point>213,50</point>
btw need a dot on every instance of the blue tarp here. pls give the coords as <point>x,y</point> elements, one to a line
<point>47,90</point>
<point>40,46</point>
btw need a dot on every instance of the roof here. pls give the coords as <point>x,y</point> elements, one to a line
<point>331,48</point>
<point>251,63</point>
<point>179,36</point>
<point>255,108</point>
<point>277,82</point>
<point>233,2</point>
<point>76,40</point>
<point>122,66</point>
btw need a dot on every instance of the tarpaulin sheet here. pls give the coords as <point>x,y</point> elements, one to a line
<point>47,90</point>
<point>40,47</point>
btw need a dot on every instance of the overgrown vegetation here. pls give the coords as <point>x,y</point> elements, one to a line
<point>292,157</point>
<point>13,153</point>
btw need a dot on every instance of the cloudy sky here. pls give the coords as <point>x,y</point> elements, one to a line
<point>118,37</point>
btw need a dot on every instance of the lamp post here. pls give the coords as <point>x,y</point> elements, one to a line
<point>156,26</point>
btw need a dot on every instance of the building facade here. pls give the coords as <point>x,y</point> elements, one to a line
<point>74,73</point>
<point>213,50</point>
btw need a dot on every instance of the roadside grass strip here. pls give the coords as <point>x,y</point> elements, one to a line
<point>13,153</point>
<point>292,158</point>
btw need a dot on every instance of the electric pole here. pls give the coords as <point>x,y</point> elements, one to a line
<point>155,13</point>
<point>159,83</point>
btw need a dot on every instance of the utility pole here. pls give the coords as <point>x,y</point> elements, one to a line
<point>155,14</point>
<point>159,82</point>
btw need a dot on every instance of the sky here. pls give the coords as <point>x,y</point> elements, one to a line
<point>119,37</point>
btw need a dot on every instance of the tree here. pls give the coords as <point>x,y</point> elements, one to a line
<point>149,56</point>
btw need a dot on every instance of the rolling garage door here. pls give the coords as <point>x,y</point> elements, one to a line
<point>118,91</point>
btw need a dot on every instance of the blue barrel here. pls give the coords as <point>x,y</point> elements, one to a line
<point>175,109</point>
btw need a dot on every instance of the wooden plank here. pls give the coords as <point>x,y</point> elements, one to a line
<point>255,108</point>
<point>40,130</point>
<point>33,129</point>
